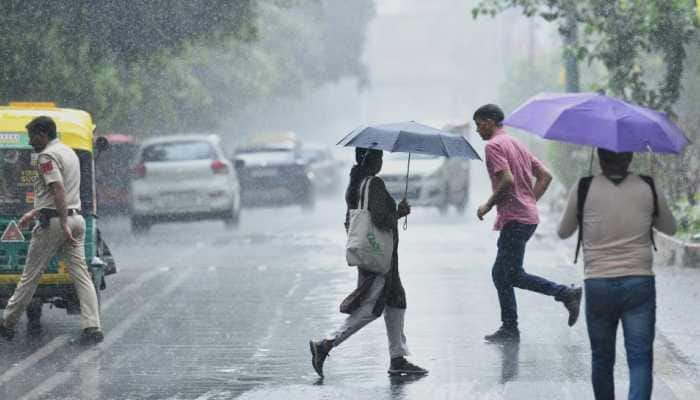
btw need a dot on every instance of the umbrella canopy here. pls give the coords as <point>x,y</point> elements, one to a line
<point>597,120</point>
<point>410,137</point>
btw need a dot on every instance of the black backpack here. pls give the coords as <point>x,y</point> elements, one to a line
<point>584,184</point>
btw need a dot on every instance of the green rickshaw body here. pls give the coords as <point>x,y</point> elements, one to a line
<point>17,175</point>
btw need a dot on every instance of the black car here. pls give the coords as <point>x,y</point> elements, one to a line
<point>274,175</point>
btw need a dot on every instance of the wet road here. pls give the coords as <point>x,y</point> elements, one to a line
<point>200,312</point>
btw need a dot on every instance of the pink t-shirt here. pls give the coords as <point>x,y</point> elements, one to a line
<point>505,152</point>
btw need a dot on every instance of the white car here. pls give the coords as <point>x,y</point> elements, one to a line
<point>433,181</point>
<point>183,178</point>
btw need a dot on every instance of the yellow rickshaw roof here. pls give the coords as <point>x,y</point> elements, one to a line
<point>74,127</point>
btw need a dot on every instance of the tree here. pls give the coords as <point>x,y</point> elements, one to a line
<point>621,34</point>
<point>170,66</point>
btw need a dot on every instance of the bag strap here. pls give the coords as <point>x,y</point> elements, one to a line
<point>650,181</point>
<point>583,185</point>
<point>364,193</point>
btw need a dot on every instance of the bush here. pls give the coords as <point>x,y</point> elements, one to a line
<point>688,217</point>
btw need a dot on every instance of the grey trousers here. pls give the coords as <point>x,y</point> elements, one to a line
<point>393,319</point>
<point>46,243</point>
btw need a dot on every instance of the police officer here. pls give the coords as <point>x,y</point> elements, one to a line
<point>61,230</point>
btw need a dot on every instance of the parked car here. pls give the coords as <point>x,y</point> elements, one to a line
<point>112,170</point>
<point>183,178</point>
<point>324,169</point>
<point>433,181</point>
<point>275,173</point>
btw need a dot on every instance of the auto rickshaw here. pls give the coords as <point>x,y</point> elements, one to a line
<point>17,175</point>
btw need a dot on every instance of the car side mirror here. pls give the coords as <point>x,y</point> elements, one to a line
<point>238,164</point>
<point>101,144</point>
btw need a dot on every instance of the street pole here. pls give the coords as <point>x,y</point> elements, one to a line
<point>570,34</point>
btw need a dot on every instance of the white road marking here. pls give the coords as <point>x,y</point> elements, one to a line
<point>62,340</point>
<point>34,358</point>
<point>116,334</point>
<point>262,346</point>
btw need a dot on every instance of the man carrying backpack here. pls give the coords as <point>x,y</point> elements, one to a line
<point>615,213</point>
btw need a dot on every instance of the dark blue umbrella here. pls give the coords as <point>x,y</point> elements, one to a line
<point>410,137</point>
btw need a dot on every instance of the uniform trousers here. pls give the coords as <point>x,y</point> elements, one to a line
<point>47,242</point>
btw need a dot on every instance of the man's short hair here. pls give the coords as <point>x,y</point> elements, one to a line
<point>43,124</point>
<point>490,111</point>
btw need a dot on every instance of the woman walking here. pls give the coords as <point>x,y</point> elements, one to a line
<point>375,294</point>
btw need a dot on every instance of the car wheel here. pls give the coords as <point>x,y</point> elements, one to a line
<point>232,220</point>
<point>139,225</point>
<point>462,205</point>
<point>308,201</point>
<point>445,201</point>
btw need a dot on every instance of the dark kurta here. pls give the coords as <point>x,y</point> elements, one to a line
<point>382,208</point>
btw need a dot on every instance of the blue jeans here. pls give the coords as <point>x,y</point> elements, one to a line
<point>633,301</point>
<point>508,272</point>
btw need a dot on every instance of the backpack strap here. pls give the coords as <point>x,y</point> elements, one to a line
<point>582,192</point>
<point>650,181</point>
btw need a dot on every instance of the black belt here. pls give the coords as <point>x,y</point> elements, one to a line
<point>51,213</point>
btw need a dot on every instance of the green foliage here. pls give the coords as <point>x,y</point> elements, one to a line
<point>525,78</point>
<point>621,34</point>
<point>689,217</point>
<point>150,66</point>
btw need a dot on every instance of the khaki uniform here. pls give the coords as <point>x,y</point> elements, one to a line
<point>57,163</point>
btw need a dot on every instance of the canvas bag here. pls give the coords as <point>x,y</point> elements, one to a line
<point>368,247</point>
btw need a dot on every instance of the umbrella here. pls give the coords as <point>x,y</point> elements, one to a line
<point>410,137</point>
<point>597,120</point>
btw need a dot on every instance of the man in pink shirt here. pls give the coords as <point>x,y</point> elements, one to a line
<point>512,168</point>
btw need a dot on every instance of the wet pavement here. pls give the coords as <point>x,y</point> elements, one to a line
<point>201,312</point>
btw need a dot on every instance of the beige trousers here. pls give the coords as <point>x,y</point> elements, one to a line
<point>393,319</point>
<point>45,244</point>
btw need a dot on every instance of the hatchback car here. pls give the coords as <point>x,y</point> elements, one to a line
<point>183,178</point>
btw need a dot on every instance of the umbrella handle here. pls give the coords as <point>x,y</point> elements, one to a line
<point>405,192</point>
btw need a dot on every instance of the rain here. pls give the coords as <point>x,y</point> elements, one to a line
<point>219,143</point>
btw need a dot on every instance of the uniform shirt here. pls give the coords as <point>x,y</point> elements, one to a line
<point>616,223</point>
<point>57,163</point>
<point>519,203</point>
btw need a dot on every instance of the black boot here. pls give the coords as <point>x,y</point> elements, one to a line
<point>319,352</point>
<point>504,334</point>
<point>572,301</point>
<point>91,336</point>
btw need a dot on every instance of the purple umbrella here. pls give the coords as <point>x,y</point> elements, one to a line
<point>598,120</point>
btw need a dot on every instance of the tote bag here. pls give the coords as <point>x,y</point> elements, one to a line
<point>368,247</point>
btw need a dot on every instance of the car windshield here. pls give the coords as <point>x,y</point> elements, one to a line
<point>178,151</point>
<point>16,180</point>
<point>268,156</point>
